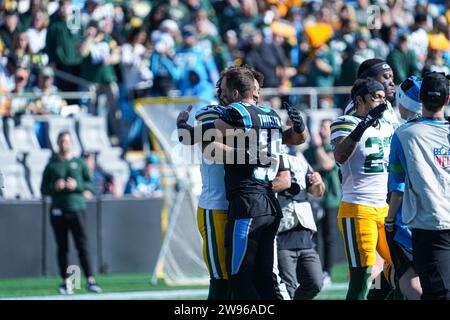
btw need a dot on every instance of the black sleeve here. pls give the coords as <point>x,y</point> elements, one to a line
<point>233,117</point>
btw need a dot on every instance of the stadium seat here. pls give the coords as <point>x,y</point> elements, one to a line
<point>16,186</point>
<point>114,165</point>
<point>55,125</point>
<point>22,136</point>
<point>89,127</point>
<point>35,163</point>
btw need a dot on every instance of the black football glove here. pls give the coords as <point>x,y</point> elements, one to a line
<point>296,118</point>
<point>373,115</point>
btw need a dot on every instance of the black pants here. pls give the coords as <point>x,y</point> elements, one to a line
<point>250,256</point>
<point>431,258</point>
<point>328,227</point>
<point>62,224</point>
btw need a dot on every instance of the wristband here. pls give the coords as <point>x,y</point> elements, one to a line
<point>357,133</point>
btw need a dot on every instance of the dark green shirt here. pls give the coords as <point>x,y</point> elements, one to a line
<point>61,43</point>
<point>75,168</point>
<point>333,191</point>
<point>99,72</point>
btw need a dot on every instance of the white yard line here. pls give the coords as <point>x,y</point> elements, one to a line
<point>148,295</point>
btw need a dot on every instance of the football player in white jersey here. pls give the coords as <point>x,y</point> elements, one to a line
<point>361,144</point>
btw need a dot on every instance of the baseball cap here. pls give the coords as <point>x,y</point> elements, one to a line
<point>47,72</point>
<point>434,89</point>
<point>407,94</point>
<point>188,31</point>
<point>170,25</point>
<point>10,12</point>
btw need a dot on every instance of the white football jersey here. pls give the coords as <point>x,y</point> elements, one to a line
<point>213,195</point>
<point>365,173</point>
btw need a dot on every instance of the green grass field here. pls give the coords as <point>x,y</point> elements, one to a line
<point>127,283</point>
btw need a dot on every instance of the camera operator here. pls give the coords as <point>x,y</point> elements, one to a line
<point>298,261</point>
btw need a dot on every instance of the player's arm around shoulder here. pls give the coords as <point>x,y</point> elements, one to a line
<point>190,135</point>
<point>290,136</point>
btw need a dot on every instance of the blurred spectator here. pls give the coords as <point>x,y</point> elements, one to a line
<point>104,182</point>
<point>438,38</point>
<point>146,182</point>
<point>96,10</point>
<point>403,61</point>
<point>322,67</point>
<point>100,53</point>
<point>49,101</point>
<point>135,62</point>
<point>235,55</point>
<point>195,5</point>
<point>435,62</point>
<point>35,6</point>
<point>171,27</point>
<point>318,60</point>
<point>355,55</point>
<point>377,44</point>
<point>22,50</point>
<point>361,12</point>
<point>441,26</point>
<point>157,15</point>
<point>389,35</point>
<point>418,38</point>
<point>227,12</point>
<point>19,104</point>
<point>60,45</point>
<point>7,73</point>
<point>343,41</point>
<point>209,40</point>
<point>266,58</point>
<point>165,72</point>
<point>38,31</point>
<point>191,57</point>
<point>197,87</point>
<point>248,16</point>
<point>178,11</point>
<point>400,16</point>
<point>9,31</point>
